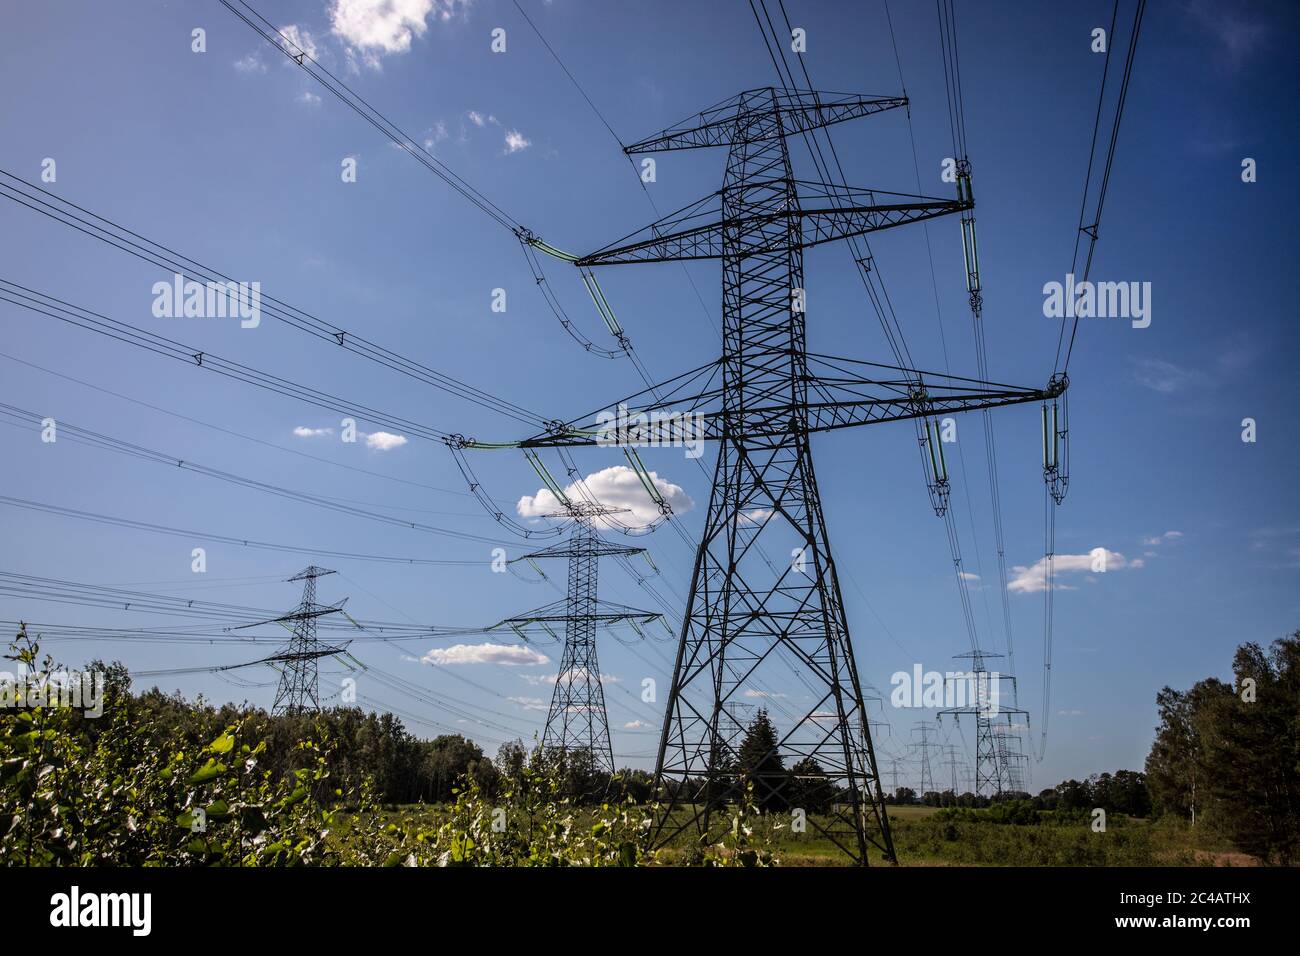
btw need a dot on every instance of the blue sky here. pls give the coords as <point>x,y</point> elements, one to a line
<point>232,156</point>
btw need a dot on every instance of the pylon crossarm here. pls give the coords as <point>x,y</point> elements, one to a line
<point>322,651</point>
<point>566,549</point>
<point>797,110</point>
<point>754,235</point>
<point>295,616</point>
<point>606,612</point>
<point>845,401</point>
<point>829,416</point>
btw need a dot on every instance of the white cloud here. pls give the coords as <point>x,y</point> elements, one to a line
<point>765,694</point>
<point>1161,376</point>
<point>617,487</point>
<point>968,576</point>
<point>250,64</point>
<point>297,40</point>
<point>1162,538</point>
<point>1233,25</point>
<point>309,98</point>
<point>635,725</point>
<point>515,141</point>
<point>530,703</point>
<point>302,431</point>
<point>508,655</point>
<point>537,680</point>
<point>1032,579</point>
<point>477,118</point>
<point>436,134</point>
<point>384,27</point>
<point>384,441</point>
<point>1069,713</point>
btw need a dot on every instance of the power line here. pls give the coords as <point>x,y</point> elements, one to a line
<point>114,234</point>
<point>86,436</point>
<point>89,320</point>
<point>1092,230</point>
<point>355,102</point>
<point>121,522</point>
<point>231,432</point>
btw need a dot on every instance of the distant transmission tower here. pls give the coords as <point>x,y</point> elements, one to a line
<point>577,722</point>
<point>1008,743</point>
<point>925,746</point>
<point>893,776</point>
<point>749,617</point>
<point>952,763</point>
<point>737,718</point>
<point>299,677</point>
<point>993,763</point>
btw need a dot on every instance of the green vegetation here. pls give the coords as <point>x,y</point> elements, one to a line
<point>161,781</point>
<point>1227,757</point>
<point>157,782</point>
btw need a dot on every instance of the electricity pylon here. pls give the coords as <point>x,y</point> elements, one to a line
<point>893,775</point>
<point>577,722</point>
<point>927,774</point>
<point>994,773</point>
<point>747,618</point>
<point>737,716</point>
<point>952,763</point>
<point>1008,742</point>
<point>299,688</point>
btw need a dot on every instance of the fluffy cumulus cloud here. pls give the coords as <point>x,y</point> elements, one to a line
<point>515,141</point>
<point>635,725</point>
<point>375,441</point>
<point>507,655</point>
<point>1033,579</point>
<point>615,487</point>
<point>372,29</point>
<point>384,441</point>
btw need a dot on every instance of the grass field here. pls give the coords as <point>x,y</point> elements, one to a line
<point>923,836</point>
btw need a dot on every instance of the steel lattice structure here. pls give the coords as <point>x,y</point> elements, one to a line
<point>577,721</point>
<point>299,688</point>
<point>926,784</point>
<point>997,761</point>
<point>745,616</point>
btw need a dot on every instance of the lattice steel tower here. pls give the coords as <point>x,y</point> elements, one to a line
<point>577,721</point>
<point>747,617</point>
<point>927,771</point>
<point>995,758</point>
<point>299,678</point>
<point>743,615</point>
